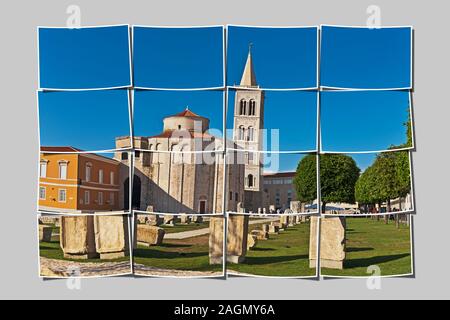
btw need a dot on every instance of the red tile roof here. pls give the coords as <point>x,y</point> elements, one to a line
<point>168,134</point>
<point>186,113</point>
<point>60,149</point>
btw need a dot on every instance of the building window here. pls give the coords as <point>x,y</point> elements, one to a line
<point>241,132</point>
<point>63,170</point>
<point>111,198</point>
<point>100,176</point>
<point>252,108</point>
<point>250,134</point>
<point>124,155</point>
<point>111,177</point>
<point>43,169</point>
<point>88,172</point>
<point>100,198</point>
<point>137,153</point>
<point>42,193</point>
<point>250,180</point>
<point>236,196</point>
<point>87,197</point>
<point>231,195</point>
<point>62,195</point>
<point>243,107</point>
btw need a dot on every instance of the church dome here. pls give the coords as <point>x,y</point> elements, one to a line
<point>186,120</point>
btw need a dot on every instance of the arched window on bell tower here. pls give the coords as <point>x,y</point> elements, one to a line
<point>252,108</point>
<point>250,181</point>
<point>241,133</point>
<point>250,133</point>
<point>243,107</point>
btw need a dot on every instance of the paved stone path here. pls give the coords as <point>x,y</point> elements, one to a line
<point>141,270</point>
<point>201,232</point>
<point>62,268</point>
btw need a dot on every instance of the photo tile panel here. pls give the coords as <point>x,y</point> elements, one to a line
<point>84,58</point>
<point>366,58</point>
<point>276,246</point>
<point>178,57</point>
<point>366,121</point>
<point>272,58</point>
<point>271,183</point>
<point>192,118</point>
<point>178,246</point>
<point>84,246</point>
<point>272,121</point>
<point>358,247</point>
<point>366,184</point>
<point>178,183</point>
<point>85,121</point>
<point>83,183</point>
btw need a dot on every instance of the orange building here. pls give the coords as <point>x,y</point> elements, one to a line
<point>84,182</point>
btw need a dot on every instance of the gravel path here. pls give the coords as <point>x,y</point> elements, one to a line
<point>62,268</point>
<point>201,232</point>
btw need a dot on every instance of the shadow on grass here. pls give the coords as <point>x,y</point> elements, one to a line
<point>155,254</point>
<point>174,245</point>
<point>268,260</point>
<point>365,262</point>
<point>359,249</point>
<point>262,249</point>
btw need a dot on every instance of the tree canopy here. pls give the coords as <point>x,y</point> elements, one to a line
<point>338,176</point>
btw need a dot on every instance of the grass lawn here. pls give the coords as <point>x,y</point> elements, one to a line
<point>185,227</point>
<point>187,254</point>
<point>371,242</point>
<point>52,250</point>
<point>284,255</point>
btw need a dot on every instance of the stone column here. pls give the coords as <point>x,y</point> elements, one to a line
<point>112,236</point>
<point>237,238</point>
<point>77,237</point>
<point>332,242</point>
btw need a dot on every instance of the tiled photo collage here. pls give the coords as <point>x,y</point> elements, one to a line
<point>225,152</point>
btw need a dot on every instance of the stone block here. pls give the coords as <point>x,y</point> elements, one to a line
<point>45,233</point>
<point>332,242</point>
<point>150,235</point>
<point>169,220</point>
<point>273,229</point>
<point>251,241</point>
<point>111,236</point>
<point>237,237</point>
<point>260,234</point>
<point>185,219</point>
<point>197,219</point>
<point>77,237</point>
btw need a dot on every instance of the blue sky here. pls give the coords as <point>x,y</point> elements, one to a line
<point>84,58</point>
<point>363,58</point>
<point>151,107</point>
<point>292,113</point>
<point>289,162</point>
<point>282,57</point>
<point>363,120</point>
<point>88,120</point>
<point>178,57</point>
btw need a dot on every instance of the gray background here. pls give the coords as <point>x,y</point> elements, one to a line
<point>18,70</point>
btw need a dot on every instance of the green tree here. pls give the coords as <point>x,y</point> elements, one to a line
<point>338,176</point>
<point>305,180</point>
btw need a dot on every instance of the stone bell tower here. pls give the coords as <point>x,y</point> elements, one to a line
<point>248,133</point>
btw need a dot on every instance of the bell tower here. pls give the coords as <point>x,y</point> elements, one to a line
<point>248,133</point>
